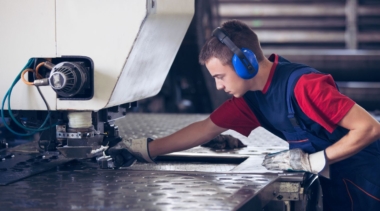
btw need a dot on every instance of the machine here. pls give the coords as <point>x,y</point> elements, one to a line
<point>84,59</point>
<point>71,69</point>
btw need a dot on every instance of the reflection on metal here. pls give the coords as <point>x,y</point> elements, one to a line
<point>183,166</point>
<point>138,190</point>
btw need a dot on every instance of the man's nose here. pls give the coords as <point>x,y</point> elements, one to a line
<point>219,86</point>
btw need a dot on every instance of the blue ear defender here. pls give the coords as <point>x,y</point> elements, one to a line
<point>244,60</point>
<point>241,69</point>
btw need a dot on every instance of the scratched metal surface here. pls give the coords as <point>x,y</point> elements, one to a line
<point>133,190</point>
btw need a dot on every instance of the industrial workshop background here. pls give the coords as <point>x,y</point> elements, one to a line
<point>69,166</point>
<point>339,37</point>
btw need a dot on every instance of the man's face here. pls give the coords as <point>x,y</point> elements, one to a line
<point>226,78</point>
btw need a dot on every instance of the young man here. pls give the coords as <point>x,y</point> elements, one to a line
<point>327,132</point>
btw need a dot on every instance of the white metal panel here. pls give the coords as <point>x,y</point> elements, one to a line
<point>132,55</point>
<point>104,31</point>
<point>27,30</point>
<point>154,51</point>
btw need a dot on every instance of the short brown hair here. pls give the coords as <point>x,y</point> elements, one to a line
<point>240,34</point>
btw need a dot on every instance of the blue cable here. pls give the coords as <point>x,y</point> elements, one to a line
<point>8,95</point>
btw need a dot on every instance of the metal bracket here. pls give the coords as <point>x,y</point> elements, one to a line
<point>77,135</point>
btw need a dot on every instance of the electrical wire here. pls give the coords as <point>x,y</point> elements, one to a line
<point>37,69</point>
<point>41,128</point>
<point>36,75</point>
<point>39,141</point>
<point>49,114</point>
<point>30,131</point>
<point>23,77</point>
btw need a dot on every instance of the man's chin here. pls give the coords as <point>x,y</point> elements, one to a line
<point>237,95</point>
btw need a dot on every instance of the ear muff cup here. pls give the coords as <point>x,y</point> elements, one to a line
<point>240,68</point>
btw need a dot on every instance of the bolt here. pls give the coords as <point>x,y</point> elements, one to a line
<point>279,197</point>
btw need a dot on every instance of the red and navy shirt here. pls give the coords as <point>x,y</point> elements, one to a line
<point>315,93</point>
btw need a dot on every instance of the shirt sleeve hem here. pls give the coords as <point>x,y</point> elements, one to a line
<point>343,113</point>
<point>241,131</point>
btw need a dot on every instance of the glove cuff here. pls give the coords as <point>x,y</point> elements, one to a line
<point>318,164</point>
<point>139,149</point>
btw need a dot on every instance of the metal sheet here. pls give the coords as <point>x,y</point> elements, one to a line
<point>239,184</point>
<point>15,166</point>
<point>259,143</point>
<point>160,125</point>
<point>135,190</point>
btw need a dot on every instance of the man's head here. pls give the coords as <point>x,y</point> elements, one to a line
<point>218,57</point>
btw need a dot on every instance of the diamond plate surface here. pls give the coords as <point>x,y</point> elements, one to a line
<point>24,165</point>
<point>175,185</point>
<point>24,160</point>
<point>259,142</point>
<point>133,190</point>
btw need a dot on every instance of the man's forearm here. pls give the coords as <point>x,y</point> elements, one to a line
<point>351,144</point>
<point>363,130</point>
<point>188,137</point>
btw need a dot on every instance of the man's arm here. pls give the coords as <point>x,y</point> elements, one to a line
<point>363,130</point>
<point>193,135</point>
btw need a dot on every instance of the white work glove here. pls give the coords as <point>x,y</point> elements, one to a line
<point>297,160</point>
<point>137,147</point>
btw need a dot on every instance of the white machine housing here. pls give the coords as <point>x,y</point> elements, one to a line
<point>132,44</point>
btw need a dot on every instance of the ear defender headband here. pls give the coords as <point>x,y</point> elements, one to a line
<point>244,60</point>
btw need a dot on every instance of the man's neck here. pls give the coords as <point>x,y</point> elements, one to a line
<point>260,80</point>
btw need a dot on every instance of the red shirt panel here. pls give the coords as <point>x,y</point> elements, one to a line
<point>236,115</point>
<point>321,101</point>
